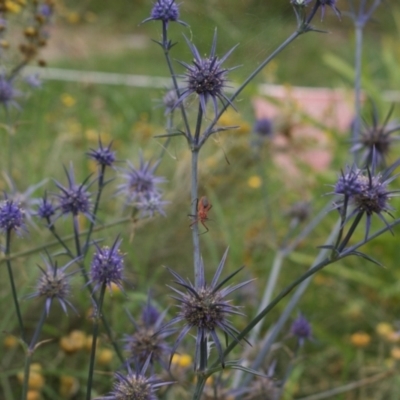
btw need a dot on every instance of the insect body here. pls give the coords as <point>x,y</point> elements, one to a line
<point>203,207</point>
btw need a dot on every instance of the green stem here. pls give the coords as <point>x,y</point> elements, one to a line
<point>12,283</point>
<point>94,342</point>
<point>95,209</point>
<point>195,230</point>
<point>30,352</point>
<point>175,82</point>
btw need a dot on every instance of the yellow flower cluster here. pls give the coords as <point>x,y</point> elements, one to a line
<point>35,383</point>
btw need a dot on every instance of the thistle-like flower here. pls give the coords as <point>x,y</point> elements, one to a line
<point>46,208</point>
<point>12,217</point>
<point>8,93</point>
<point>367,192</point>
<point>165,11</point>
<point>147,342</point>
<point>141,183</point>
<point>24,199</point>
<point>301,329</point>
<point>204,308</point>
<point>135,385</point>
<point>107,266</point>
<point>104,156</point>
<point>376,139</point>
<point>206,77</point>
<point>152,204</point>
<point>54,284</point>
<point>74,199</point>
<point>263,127</point>
<point>329,3</point>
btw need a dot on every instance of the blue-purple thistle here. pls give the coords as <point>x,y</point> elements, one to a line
<point>376,139</point>
<point>301,329</point>
<point>147,341</point>
<point>103,155</point>
<point>140,183</point>
<point>54,284</point>
<point>12,217</point>
<point>135,385</point>
<point>328,3</point>
<point>46,208</point>
<point>366,192</point>
<point>165,11</point>
<point>206,78</point>
<point>8,93</point>
<point>205,309</point>
<point>107,266</point>
<point>74,199</point>
<point>151,205</point>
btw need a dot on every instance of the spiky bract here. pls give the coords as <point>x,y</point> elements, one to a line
<point>204,308</point>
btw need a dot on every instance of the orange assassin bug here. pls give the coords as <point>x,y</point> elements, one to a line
<point>203,207</point>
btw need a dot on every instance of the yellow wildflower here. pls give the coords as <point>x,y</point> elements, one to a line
<point>360,339</point>
<point>254,182</point>
<point>183,361</point>
<point>67,100</point>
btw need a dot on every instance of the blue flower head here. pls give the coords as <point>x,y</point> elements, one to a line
<point>165,11</point>
<point>104,156</point>
<point>46,209</point>
<point>107,266</point>
<point>135,385</point>
<point>148,340</point>
<point>366,192</point>
<point>301,329</point>
<point>263,127</point>
<point>12,217</point>
<point>54,284</point>
<point>151,204</point>
<point>376,139</point>
<point>206,78</point>
<point>205,309</point>
<point>328,3</point>
<point>140,183</point>
<point>8,93</point>
<point>74,199</point>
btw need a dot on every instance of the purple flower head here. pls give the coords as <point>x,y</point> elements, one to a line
<point>135,385</point>
<point>301,328</point>
<point>74,199</point>
<point>169,101</point>
<point>349,183</point>
<point>45,10</point>
<point>140,183</point>
<point>7,92</point>
<point>329,3</point>
<point>206,78</point>
<point>204,308</point>
<point>376,139</point>
<point>46,209</point>
<point>147,341</point>
<point>263,127</point>
<point>33,81</point>
<point>54,284</point>
<point>150,314</point>
<point>12,217</point>
<point>366,192</point>
<point>165,11</point>
<point>104,156</point>
<point>151,204</point>
<point>25,198</point>
<point>107,266</point>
